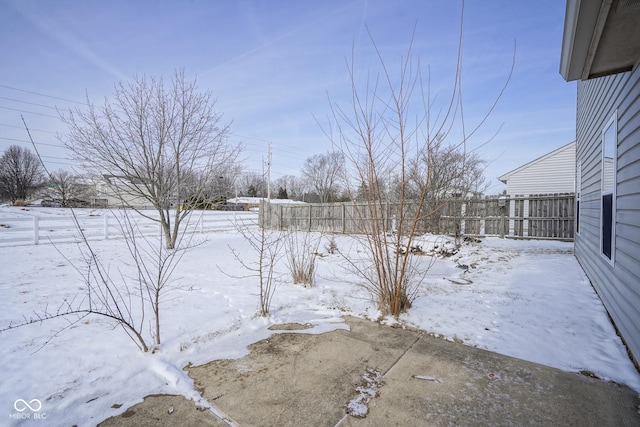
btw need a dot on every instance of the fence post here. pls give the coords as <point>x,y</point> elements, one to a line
<point>525,213</point>
<point>261,214</point>
<point>106,226</point>
<point>463,212</point>
<point>36,235</point>
<point>202,222</point>
<point>343,217</point>
<point>512,213</point>
<point>503,211</point>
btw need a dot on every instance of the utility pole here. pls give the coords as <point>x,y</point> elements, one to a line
<point>269,174</point>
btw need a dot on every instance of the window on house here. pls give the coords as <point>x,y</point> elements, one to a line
<point>608,179</point>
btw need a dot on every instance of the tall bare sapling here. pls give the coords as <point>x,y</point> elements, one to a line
<point>387,122</point>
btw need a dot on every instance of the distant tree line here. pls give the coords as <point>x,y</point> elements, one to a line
<point>321,180</point>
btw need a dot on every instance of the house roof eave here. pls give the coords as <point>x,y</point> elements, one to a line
<point>601,37</point>
<point>579,27</point>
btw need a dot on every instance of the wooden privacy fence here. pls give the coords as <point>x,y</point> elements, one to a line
<point>549,216</point>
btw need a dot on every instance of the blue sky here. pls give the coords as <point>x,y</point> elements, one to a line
<point>273,64</point>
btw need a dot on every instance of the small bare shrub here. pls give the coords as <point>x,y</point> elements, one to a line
<point>301,257</point>
<point>331,247</point>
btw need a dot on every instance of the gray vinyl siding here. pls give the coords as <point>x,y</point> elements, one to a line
<point>617,282</point>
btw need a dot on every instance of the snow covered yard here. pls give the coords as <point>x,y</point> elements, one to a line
<point>528,299</point>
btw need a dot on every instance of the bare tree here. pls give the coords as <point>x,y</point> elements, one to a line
<point>324,172</point>
<point>163,144</point>
<point>453,176</point>
<point>253,185</point>
<point>68,188</point>
<point>387,120</point>
<point>451,171</point>
<point>20,173</point>
<point>293,185</point>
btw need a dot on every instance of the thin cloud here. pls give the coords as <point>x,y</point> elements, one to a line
<point>271,42</point>
<point>58,33</point>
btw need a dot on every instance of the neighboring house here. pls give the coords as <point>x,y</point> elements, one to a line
<point>111,192</point>
<point>552,173</point>
<point>601,49</point>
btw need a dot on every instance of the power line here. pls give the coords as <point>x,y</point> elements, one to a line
<point>26,102</point>
<point>43,94</point>
<point>60,163</point>
<point>57,158</point>
<point>250,137</point>
<point>277,153</point>
<point>298,154</point>
<point>22,127</point>
<point>29,142</point>
<point>282,147</point>
<point>29,112</point>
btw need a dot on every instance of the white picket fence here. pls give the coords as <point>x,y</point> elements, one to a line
<point>40,227</point>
